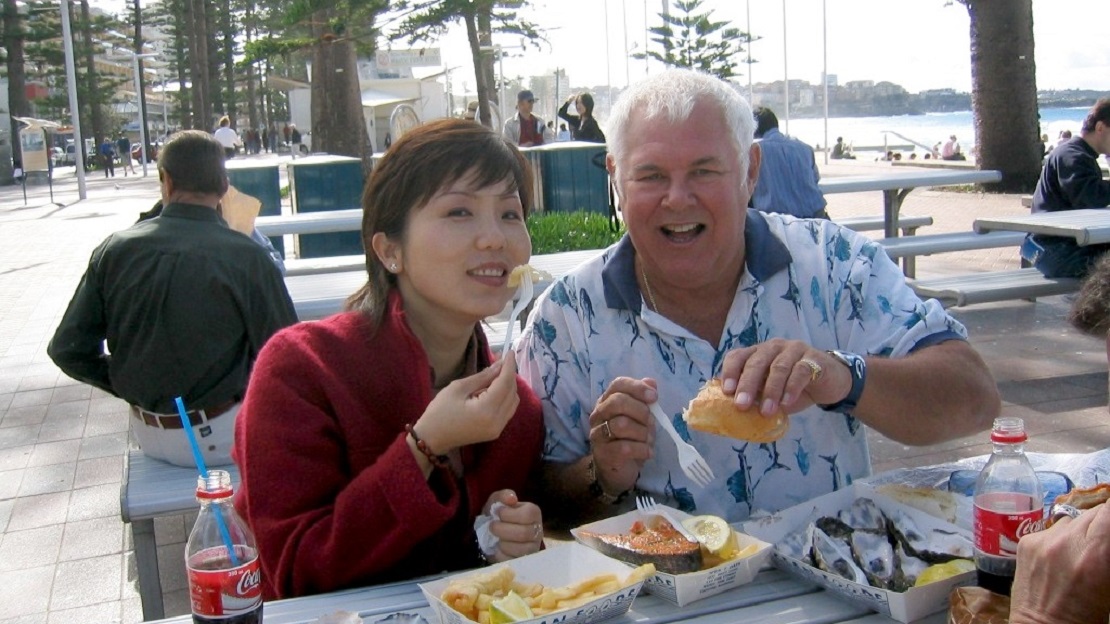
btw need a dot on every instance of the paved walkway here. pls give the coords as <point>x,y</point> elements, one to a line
<point>65,556</point>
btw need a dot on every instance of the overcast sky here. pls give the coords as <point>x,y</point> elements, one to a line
<point>919,44</point>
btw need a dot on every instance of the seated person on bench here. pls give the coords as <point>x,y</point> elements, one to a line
<point>185,304</point>
<point>1070,180</point>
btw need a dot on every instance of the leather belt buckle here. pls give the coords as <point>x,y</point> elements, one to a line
<point>173,421</point>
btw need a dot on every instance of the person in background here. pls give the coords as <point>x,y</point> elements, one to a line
<point>184,305</point>
<point>123,145</point>
<point>951,150</point>
<point>108,157</point>
<point>370,442</point>
<point>564,133</point>
<point>583,126</point>
<point>1064,137</point>
<point>841,150</point>
<point>294,140</point>
<point>1063,572</point>
<point>1071,179</point>
<point>524,128</point>
<point>227,137</point>
<point>794,314</point>
<point>788,174</point>
<point>1044,145</point>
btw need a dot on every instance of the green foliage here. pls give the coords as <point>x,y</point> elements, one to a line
<point>692,40</point>
<point>570,231</point>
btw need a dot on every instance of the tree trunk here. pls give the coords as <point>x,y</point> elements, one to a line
<point>477,56</point>
<point>485,36</point>
<point>96,116</point>
<point>252,105</point>
<point>338,122</point>
<point>18,104</point>
<point>138,44</point>
<point>198,56</point>
<point>228,53</point>
<point>1004,92</point>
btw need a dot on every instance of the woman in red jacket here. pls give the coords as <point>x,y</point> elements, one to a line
<point>370,441</point>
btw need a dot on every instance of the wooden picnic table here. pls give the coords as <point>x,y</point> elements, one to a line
<point>895,187</point>
<point>1089,226</point>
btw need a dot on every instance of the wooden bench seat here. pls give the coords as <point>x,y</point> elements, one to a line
<point>992,286</point>
<point>151,489</point>
<point>908,224</point>
<point>908,247</point>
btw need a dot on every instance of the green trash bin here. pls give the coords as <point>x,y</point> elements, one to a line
<point>320,183</point>
<point>259,180</point>
<point>574,177</point>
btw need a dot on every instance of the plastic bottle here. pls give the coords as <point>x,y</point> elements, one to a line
<point>1008,504</point>
<point>221,558</point>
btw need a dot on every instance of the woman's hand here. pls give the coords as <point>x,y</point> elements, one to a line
<point>519,531</point>
<point>472,409</point>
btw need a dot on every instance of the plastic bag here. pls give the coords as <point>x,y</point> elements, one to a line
<point>975,605</point>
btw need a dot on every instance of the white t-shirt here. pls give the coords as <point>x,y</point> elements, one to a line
<point>227,137</point>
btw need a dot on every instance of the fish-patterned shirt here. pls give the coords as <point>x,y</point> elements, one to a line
<point>804,279</point>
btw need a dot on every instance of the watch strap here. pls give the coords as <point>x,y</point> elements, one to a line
<point>598,492</point>
<point>857,367</point>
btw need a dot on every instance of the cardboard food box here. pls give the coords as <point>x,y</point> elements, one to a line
<point>554,567</point>
<point>912,604</point>
<point>682,589</point>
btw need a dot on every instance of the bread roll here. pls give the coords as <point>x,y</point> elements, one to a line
<point>715,412</point>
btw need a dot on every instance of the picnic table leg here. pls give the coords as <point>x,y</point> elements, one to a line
<point>892,207</point>
<point>146,563</point>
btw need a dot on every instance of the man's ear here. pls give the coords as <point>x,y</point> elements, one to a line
<point>755,158</point>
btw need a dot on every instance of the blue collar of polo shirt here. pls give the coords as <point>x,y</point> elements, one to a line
<point>764,256</point>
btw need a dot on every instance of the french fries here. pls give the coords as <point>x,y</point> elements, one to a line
<point>472,595</point>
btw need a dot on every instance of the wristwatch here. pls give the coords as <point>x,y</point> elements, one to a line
<point>858,368</point>
<point>598,492</point>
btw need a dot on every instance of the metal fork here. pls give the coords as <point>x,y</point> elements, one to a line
<point>647,504</point>
<point>524,292</point>
<point>689,459</point>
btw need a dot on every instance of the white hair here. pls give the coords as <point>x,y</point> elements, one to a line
<point>670,96</point>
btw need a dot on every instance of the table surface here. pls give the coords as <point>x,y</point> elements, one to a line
<point>774,597</point>
<point>1088,226</point>
<point>897,181</point>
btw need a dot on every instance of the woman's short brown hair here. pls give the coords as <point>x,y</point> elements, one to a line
<point>425,160</point>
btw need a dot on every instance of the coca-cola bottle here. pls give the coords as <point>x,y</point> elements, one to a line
<point>1008,504</point>
<point>222,560</point>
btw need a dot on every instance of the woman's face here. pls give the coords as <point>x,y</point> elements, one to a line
<point>457,252</point>
<point>579,106</point>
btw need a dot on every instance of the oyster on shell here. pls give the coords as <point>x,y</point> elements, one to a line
<point>834,556</point>
<point>875,556</point>
<point>934,546</point>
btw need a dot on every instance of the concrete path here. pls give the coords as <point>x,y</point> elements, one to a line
<point>65,556</point>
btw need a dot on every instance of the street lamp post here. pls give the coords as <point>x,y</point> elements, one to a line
<point>74,111</point>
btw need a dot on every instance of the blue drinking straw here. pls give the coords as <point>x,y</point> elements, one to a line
<point>204,475</point>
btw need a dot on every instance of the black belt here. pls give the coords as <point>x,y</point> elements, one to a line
<point>173,421</point>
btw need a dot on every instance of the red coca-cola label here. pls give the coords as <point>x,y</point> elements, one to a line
<point>1002,518</point>
<point>219,588</point>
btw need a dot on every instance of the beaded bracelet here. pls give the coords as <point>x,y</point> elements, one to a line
<point>439,461</point>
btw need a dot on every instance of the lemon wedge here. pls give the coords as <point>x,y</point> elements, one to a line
<point>715,535</point>
<point>511,608</point>
<point>941,571</point>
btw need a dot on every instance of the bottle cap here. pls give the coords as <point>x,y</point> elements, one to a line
<point>216,485</point>
<point>1008,430</point>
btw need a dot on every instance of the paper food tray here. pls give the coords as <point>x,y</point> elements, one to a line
<point>913,604</point>
<point>682,589</point>
<point>554,567</point>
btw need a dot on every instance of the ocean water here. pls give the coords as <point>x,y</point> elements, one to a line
<point>875,132</point>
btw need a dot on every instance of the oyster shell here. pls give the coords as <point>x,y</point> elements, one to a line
<point>864,515</point>
<point>834,556</point>
<point>875,556</point>
<point>932,546</point>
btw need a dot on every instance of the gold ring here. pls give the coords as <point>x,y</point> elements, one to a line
<point>815,370</point>
<point>608,432</point>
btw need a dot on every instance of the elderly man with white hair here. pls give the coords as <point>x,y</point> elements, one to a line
<point>798,315</point>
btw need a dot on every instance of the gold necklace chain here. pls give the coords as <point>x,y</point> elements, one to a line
<point>647,285</point>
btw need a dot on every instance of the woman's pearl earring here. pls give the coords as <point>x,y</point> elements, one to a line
<point>393,267</point>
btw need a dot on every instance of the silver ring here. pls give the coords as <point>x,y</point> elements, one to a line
<point>539,531</point>
<point>815,370</point>
<point>1061,510</point>
<point>608,432</point>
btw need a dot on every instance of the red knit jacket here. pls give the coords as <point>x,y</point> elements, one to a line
<point>329,485</point>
